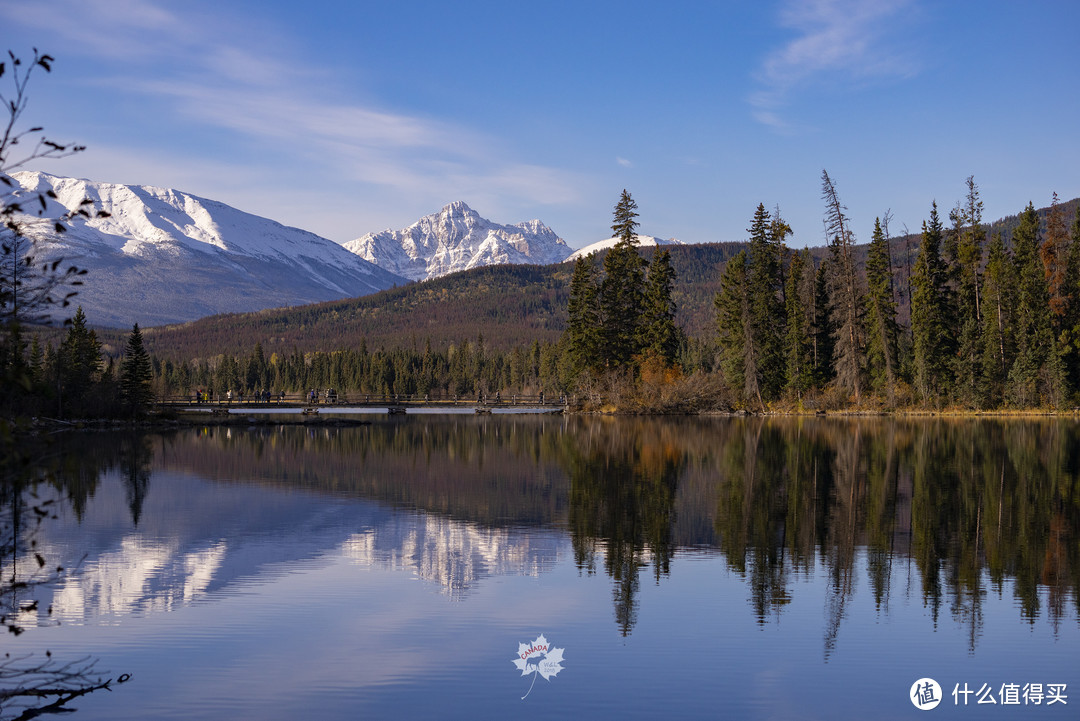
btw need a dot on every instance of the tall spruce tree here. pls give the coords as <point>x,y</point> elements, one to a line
<point>1037,374</point>
<point>732,319</point>
<point>779,230</point>
<point>845,294</point>
<point>971,236</point>
<point>660,335</point>
<point>882,354</point>
<point>1070,321</point>
<point>930,313</point>
<point>623,288</point>
<point>256,372</point>
<point>79,363</point>
<point>582,337</point>
<point>1054,252</point>
<point>798,340</point>
<point>36,363</point>
<point>136,375</point>
<point>824,334</point>
<point>998,349</point>
<point>765,331</point>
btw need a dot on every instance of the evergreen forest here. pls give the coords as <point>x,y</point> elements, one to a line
<point>964,315</point>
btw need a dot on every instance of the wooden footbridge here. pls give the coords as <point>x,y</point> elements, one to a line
<point>394,404</point>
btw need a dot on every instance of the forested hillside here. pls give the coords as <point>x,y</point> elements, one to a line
<point>508,305</point>
<point>829,326</point>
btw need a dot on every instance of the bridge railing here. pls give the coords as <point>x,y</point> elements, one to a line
<point>292,400</point>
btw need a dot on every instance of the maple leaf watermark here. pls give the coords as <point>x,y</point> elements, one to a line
<point>538,657</point>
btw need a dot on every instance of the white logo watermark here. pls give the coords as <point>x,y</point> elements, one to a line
<point>925,694</point>
<point>540,658</point>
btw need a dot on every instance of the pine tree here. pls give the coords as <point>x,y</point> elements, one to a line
<point>622,289</point>
<point>971,236</point>
<point>1054,252</point>
<point>930,302</point>
<point>624,224</point>
<point>1070,320</point>
<point>79,362</point>
<point>823,333</point>
<point>733,318</point>
<point>779,230</point>
<point>997,332</point>
<point>798,342</point>
<point>136,375</point>
<point>227,377</point>
<point>255,375</point>
<point>882,355</point>
<point>582,336</point>
<point>36,363</point>
<point>765,330</point>
<point>845,295</point>
<point>660,334</point>
<point>1037,374</point>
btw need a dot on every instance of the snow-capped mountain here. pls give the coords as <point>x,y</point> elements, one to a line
<point>164,256</point>
<point>643,240</point>
<point>457,238</point>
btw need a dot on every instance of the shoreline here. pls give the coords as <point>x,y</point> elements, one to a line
<point>188,419</point>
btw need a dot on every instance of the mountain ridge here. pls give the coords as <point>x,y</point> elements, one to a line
<point>165,256</point>
<point>458,238</point>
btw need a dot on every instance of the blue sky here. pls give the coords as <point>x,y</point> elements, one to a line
<point>349,117</point>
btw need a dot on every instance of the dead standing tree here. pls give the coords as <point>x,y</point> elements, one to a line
<point>845,293</point>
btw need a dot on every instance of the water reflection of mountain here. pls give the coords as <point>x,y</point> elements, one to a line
<point>453,554</point>
<point>197,538</point>
<point>973,507</point>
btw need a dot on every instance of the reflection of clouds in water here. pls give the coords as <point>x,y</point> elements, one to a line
<point>453,554</point>
<point>139,576</point>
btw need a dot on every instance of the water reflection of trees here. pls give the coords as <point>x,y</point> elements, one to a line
<point>500,470</point>
<point>622,496</point>
<point>971,504</point>
<point>972,508</point>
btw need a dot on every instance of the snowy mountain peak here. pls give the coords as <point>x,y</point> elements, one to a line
<point>164,256</point>
<point>457,238</point>
<point>459,208</point>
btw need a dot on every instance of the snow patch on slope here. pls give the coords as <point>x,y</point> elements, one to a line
<point>643,241</point>
<point>166,256</point>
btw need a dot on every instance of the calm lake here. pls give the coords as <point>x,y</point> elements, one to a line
<point>633,568</point>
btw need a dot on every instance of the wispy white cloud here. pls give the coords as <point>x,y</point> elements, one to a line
<point>850,40</point>
<point>624,162</point>
<point>116,29</point>
<point>216,73</point>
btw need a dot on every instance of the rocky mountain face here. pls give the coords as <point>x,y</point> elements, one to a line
<point>457,238</point>
<point>163,256</point>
